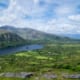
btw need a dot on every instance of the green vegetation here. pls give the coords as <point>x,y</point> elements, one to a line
<point>53,58</point>
<point>11,36</point>
<point>9,39</point>
<point>60,54</point>
<point>35,36</point>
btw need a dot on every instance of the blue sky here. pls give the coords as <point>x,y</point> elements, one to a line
<point>53,16</point>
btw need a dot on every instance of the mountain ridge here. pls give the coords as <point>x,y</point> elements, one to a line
<point>37,36</point>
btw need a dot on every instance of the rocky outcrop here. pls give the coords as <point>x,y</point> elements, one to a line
<point>50,76</point>
<point>72,76</point>
<point>17,75</point>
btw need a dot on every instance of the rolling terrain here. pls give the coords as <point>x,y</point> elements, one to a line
<point>37,36</point>
<point>59,59</point>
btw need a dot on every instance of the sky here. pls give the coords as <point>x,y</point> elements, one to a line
<point>52,16</point>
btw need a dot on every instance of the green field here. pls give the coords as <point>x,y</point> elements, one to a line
<point>53,58</point>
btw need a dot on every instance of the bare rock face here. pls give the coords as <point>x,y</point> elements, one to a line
<point>17,75</point>
<point>50,76</point>
<point>72,76</point>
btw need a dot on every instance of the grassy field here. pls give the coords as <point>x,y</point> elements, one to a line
<point>53,58</point>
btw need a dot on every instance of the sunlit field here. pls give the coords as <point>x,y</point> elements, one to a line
<point>52,59</point>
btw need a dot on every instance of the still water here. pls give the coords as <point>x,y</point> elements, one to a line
<point>20,48</point>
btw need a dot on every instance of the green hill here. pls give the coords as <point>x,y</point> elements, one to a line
<point>8,39</point>
<point>37,36</point>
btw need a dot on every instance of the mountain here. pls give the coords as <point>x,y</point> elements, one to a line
<point>36,36</point>
<point>9,39</point>
<point>74,36</point>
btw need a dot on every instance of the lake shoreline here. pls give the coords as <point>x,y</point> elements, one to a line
<point>11,50</point>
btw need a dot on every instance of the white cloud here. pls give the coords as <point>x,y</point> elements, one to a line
<point>58,23</point>
<point>63,10</point>
<point>36,1</point>
<point>75,17</point>
<point>30,8</point>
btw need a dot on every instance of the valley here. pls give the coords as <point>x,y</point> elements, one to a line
<point>27,54</point>
<point>53,59</point>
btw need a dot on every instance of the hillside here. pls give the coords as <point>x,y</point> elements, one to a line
<point>37,36</point>
<point>9,39</point>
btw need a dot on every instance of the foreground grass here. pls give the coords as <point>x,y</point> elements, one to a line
<point>57,59</point>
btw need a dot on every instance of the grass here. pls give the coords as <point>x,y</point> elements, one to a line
<point>56,59</point>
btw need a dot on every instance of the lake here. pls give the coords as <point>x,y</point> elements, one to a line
<point>20,48</point>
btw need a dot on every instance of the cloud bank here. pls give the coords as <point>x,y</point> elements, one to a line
<point>52,16</point>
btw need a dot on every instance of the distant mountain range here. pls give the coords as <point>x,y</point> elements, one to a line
<point>31,34</point>
<point>10,34</point>
<point>74,36</point>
